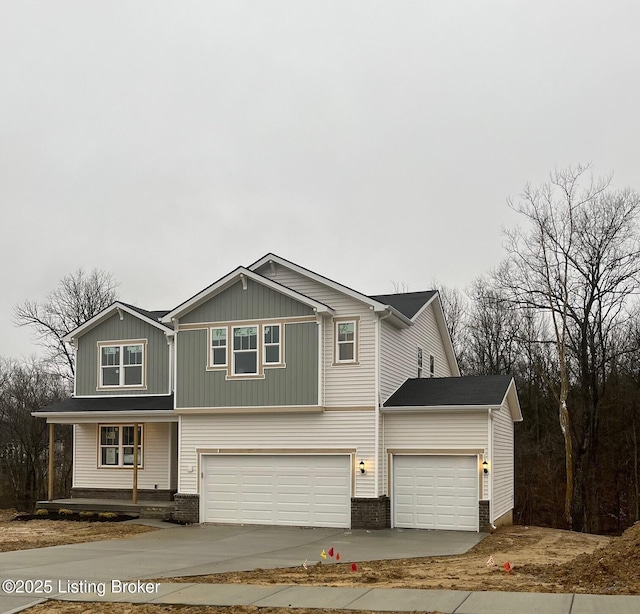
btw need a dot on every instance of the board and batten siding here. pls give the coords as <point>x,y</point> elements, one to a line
<point>399,352</point>
<point>344,385</point>
<point>254,303</point>
<point>115,329</point>
<point>502,463</point>
<point>277,433</point>
<point>294,384</point>
<point>156,459</point>
<point>433,431</point>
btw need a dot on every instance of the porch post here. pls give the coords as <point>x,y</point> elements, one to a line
<point>135,463</point>
<point>51,463</point>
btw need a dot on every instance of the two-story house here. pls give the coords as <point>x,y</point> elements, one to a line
<point>279,396</point>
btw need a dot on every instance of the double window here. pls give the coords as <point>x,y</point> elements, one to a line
<point>117,446</point>
<point>121,364</point>
<point>250,349</point>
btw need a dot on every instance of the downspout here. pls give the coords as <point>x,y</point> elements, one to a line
<point>378,337</point>
<point>490,476</point>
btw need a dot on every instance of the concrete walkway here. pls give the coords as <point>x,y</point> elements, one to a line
<point>373,599</point>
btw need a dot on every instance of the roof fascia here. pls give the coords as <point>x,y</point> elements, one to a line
<point>512,401</point>
<point>375,305</point>
<point>108,312</point>
<point>79,417</point>
<point>233,277</point>
<point>438,408</point>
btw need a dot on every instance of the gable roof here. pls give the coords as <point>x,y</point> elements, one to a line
<point>401,320</point>
<point>407,303</point>
<point>150,317</point>
<point>482,391</point>
<point>231,278</point>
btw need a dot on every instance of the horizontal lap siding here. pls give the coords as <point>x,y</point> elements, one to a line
<point>115,329</point>
<point>422,431</point>
<point>502,468</point>
<point>155,457</point>
<point>344,385</point>
<point>327,431</point>
<point>399,352</point>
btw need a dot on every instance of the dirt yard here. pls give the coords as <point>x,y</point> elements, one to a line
<point>542,560</point>
<point>18,535</point>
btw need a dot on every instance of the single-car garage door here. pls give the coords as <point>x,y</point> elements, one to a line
<point>436,492</point>
<point>295,490</point>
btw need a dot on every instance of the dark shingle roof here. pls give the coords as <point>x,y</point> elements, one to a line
<point>460,391</point>
<point>152,315</point>
<point>407,303</point>
<point>133,403</point>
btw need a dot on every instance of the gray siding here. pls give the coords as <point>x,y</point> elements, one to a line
<point>114,329</point>
<point>296,384</point>
<point>254,303</point>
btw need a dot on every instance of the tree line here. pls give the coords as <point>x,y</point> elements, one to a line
<point>560,314</point>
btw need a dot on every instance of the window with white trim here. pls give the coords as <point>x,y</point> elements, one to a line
<point>121,365</point>
<point>272,352</point>
<point>245,350</point>
<point>346,341</point>
<point>432,365</point>
<point>419,362</point>
<point>117,445</point>
<point>219,347</point>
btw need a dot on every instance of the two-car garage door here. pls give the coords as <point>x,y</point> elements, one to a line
<point>435,492</point>
<point>296,490</point>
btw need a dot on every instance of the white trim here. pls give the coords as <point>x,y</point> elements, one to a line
<point>121,344</point>
<point>377,306</point>
<point>104,314</point>
<point>212,363</point>
<point>120,446</point>
<point>255,350</point>
<point>338,343</point>
<point>265,345</point>
<point>231,278</point>
<point>179,459</point>
<point>125,395</point>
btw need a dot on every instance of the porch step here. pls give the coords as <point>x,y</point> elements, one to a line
<point>160,510</point>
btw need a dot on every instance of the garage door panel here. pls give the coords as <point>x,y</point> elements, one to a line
<point>436,492</point>
<point>296,490</point>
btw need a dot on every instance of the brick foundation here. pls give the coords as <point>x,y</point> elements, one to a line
<point>483,513</point>
<point>122,494</point>
<point>371,513</point>
<point>187,508</point>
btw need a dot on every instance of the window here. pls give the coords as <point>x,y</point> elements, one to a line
<point>419,362</point>
<point>432,366</point>
<point>245,350</point>
<point>121,365</point>
<point>116,446</point>
<point>272,344</point>
<point>346,341</point>
<point>219,347</point>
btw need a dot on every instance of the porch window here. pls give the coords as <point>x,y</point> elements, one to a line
<point>116,445</point>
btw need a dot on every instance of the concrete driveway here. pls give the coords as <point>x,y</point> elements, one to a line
<point>204,549</point>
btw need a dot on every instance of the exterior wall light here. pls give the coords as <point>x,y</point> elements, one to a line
<point>362,468</point>
<point>485,466</point>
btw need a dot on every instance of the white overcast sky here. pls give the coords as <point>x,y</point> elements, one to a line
<point>169,142</point>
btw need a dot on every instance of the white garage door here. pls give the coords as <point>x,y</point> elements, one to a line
<point>293,490</point>
<point>436,492</point>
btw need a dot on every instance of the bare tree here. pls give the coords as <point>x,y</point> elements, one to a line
<point>24,388</point>
<point>78,297</point>
<point>579,262</point>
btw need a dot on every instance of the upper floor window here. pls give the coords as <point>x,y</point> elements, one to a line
<point>432,365</point>
<point>121,364</point>
<point>245,350</point>
<point>419,362</point>
<point>117,445</point>
<point>272,354</point>
<point>346,338</point>
<point>219,347</point>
